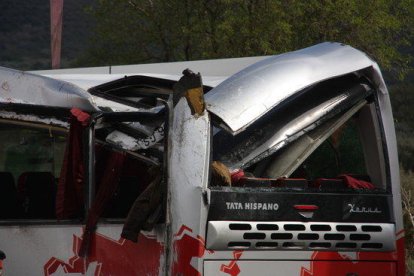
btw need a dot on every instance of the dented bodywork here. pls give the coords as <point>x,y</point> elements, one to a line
<point>200,169</point>
<point>276,79</point>
<point>26,88</point>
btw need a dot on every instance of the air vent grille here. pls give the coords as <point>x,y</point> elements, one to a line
<point>231,235</point>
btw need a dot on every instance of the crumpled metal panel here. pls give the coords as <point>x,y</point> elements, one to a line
<point>26,88</point>
<point>251,93</point>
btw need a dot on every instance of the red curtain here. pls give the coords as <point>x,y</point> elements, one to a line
<point>70,190</point>
<point>108,183</point>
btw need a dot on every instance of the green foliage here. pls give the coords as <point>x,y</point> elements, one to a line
<point>131,31</point>
<point>20,29</point>
<point>342,154</point>
<point>402,96</point>
<point>378,28</point>
<point>407,192</point>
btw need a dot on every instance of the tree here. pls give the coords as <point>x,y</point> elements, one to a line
<point>380,28</point>
<point>136,31</point>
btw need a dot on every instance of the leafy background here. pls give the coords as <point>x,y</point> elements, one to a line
<point>113,32</point>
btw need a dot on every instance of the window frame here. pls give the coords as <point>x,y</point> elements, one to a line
<point>89,139</point>
<point>35,125</point>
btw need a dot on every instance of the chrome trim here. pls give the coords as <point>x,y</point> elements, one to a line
<point>297,235</point>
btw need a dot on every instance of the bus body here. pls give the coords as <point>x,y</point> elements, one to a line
<point>281,165</point>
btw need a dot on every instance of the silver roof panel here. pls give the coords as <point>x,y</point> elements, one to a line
<point>26,88</point>
<point>252,92</point>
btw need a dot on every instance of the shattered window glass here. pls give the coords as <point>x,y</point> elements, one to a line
<point>129,173</point>
<point>133,152</point>
<point>130,152</point>
<point>327,134</point>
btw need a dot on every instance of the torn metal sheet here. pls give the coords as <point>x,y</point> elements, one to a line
<point>251,93</point>
<point>287,124</point>
<point>284,164</point>
<point>191,87</point>
<point>22,87</point>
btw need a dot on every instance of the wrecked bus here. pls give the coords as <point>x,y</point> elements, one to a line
<point>287,167</point>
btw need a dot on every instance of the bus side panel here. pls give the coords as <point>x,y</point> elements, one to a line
<point>53,250</point>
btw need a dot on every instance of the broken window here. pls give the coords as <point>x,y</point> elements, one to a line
<point>328,133</point>
<point>139,148</point>
<point>321,157</point>
<point>96,165</point>
<point>45,172</point>
<point>137,133</point>
<point>127,177</point>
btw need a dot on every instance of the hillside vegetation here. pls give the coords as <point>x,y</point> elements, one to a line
<point>25,33</point>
